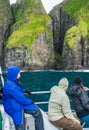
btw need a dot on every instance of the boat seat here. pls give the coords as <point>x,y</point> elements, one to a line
<point>7,122</point>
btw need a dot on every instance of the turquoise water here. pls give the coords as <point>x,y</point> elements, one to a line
<point>44,80</point>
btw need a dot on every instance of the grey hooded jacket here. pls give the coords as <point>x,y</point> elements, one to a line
<point>59,105</point>
<point>80,100</point>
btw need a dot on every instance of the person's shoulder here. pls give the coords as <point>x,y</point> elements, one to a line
<point>9,84</point>
<point>62,94</point>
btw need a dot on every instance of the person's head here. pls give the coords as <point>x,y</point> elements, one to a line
<point>13,73</point>
<point>63,84</point>
<point>78,80</point>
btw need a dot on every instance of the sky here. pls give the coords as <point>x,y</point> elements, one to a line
<point>48,4</point>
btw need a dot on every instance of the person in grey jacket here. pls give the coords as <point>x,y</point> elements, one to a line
<point>59,111</point>
<point>80,100</point>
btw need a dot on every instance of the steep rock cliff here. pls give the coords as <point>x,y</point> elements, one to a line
<point>5,22</point>
<point>31,42</point>
<point>61,23</point>
<point>71,32</point>
<point>77,36</point>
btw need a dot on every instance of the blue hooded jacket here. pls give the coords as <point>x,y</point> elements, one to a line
<point>14,101</point>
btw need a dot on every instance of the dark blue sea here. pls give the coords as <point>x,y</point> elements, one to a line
<point>44,80</point>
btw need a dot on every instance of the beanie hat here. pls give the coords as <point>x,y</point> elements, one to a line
<point>78,80</point>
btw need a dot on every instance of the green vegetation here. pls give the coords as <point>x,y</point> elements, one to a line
<point>1,17</point>
<point>58,57</point>
<point>30,21</point>
<point>79,11</point>
<point>73,6</point>
<point>26,34</point>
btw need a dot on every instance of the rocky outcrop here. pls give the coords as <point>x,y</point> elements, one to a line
<point>5,22</point>
<point>40,57</point>
<point>61,23</point>
<point>71,33</point>
<point>78,57</point>
<point>31,41</point>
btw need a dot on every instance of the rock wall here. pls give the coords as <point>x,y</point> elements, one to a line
<point>41,57</point>
<point>78,57</point>
<point>71,37</point>
<point>5,22</point>
<point>34,48</point>
<point>61,23</point>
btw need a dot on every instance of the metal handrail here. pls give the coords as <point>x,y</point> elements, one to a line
<point>2,79</point>
<point>42,102</point>
<point>40,92</point>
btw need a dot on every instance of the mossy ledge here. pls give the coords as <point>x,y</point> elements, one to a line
<point>79,11</point>
<point>29,22</point>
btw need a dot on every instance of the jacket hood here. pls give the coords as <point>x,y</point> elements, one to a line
<point>74,90</point>
<point>63,85</point>
<point>12,73</point>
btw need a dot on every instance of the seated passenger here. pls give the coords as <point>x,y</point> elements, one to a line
<point>16,104</point>
<point>59,110</point>
<point>80,100</point>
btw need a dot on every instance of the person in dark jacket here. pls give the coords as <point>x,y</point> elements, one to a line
<point>80,100</point>
<point>16,104</point>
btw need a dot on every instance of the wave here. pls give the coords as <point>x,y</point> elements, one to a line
<point>55,70</point>
<point>76,70</point>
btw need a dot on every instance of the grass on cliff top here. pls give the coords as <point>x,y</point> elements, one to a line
<point>30,20</point>
<point>28,32</point>
<point>73,6</point>
<point>23,10</point>
<point>80,11</point>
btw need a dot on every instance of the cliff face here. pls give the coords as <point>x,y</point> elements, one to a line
<point>29,37</point>
<point>61,23</point>
<point>71,32</point>
<point>5,22</point>
<point>31,41</point>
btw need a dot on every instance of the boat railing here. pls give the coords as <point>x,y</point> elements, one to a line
<point>41,92</point>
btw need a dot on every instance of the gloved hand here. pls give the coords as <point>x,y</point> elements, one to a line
<point>1,90</point>
<point>0,96</point>
<point>4,74</point>
<point>28,91</point>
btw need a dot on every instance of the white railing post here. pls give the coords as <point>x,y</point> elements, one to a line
<point>2,79</point>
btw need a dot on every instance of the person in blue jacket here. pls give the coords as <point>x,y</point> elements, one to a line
<point>16,104</point>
